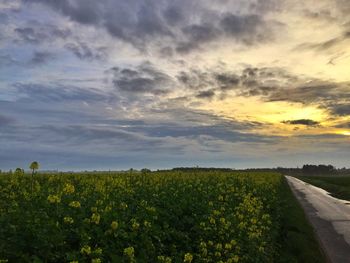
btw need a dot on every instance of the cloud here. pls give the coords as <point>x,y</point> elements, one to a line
<point>36,33</point>
<point>246,28</point>
<point>345,125</point>
<point>41,57</point>
<point>165,23</point>
<point>84,52</point>
<point>143,79</point>
<point>305,122</point>
<point>7,60</point>
<point>325,45</point>
<point>340,109</point>
<point>86,12</point>
<point>208,94</point>
<point>59,92</point>
<point>5,120</point>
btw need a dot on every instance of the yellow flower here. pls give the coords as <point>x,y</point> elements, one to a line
<point>54,199</point>
<point>75,204</point>
<point>164,259</point>
<point>134,224</point>
<point>147,224</point>
<point>98,251</point>
<point>114,225</point>
<point>95,218</point>
<point>68,220</point>
<point>188,258</point>
<point>68,188</point>
<point>129,251</point>
<point>85,250</point>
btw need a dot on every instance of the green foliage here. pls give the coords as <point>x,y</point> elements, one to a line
<point>338,186</point>
<point>168,216</point>
<point>19,172</point>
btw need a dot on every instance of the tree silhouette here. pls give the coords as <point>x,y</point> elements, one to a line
<point>33,166</point>
<point>19,171</point>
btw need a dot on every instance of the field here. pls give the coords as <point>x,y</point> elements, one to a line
<point>167,216</point>
<point>338,186</point>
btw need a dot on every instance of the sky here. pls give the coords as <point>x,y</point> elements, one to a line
<point>114,84</point>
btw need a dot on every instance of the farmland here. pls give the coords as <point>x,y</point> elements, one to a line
<point>338,186</point>
<point>168,216</point>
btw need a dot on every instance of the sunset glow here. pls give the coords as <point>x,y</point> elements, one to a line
<point>119,84</point>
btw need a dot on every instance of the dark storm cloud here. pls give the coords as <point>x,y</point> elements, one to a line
<point>41,57</point>
<point>305,122</point>
<point>143,79</point>
<point>59,92</point>
<point>142,23</point>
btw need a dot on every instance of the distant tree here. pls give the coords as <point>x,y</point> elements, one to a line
<point>19,171</point>
<point>145,170</point>
<point>33,166</point>
<point>318,169</point>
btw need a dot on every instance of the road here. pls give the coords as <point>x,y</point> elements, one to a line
<point>329,216</point>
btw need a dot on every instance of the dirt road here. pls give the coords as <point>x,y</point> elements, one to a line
<point>329,216</point>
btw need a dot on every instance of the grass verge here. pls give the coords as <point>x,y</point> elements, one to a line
<point>339,187</point>
<point>298,241</point>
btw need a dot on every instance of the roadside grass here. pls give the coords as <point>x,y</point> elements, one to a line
<point>339,187</point>
<point>298,241</point>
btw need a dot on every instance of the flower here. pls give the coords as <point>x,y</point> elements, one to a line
<point>68,220</point>
<point>54,199</point>
<point>164,259</point>
<point>134,224</point>
<point>95,218</point>
<point>68,188</point>
<point>75,204</point>
<point>114,225</point>
<point>98,251</point>
<point>85,250</point>
<point>129,251</point>
<point>147,224</point>
<point>188,258</point>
